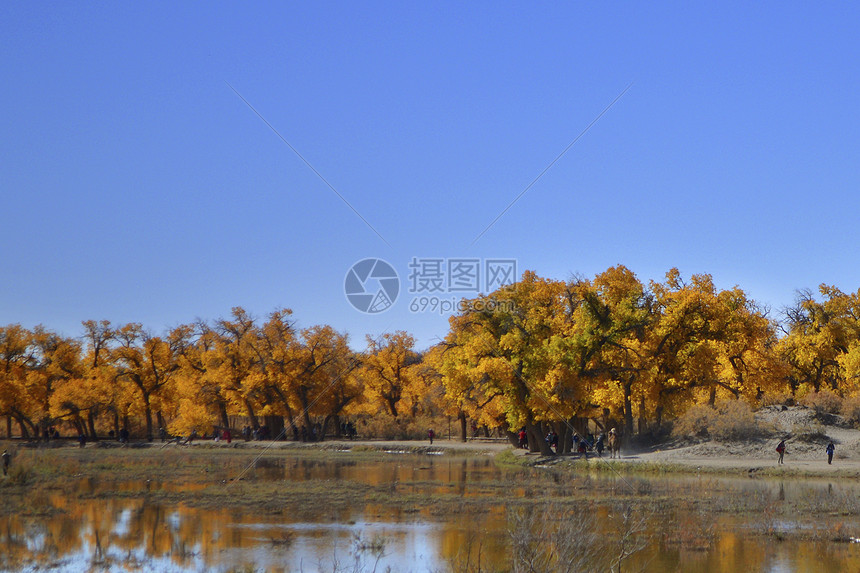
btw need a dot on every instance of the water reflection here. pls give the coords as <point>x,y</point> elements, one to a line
<point>691,524</point>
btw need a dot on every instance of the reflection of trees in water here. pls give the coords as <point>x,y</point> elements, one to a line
<point>569,538</point>
<point>476,522</point>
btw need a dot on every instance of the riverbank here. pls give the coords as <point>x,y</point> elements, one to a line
<point>805,431</point>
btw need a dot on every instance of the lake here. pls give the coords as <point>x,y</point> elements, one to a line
<point>439,513</point>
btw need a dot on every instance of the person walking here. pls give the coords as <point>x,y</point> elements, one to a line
<point>830,449</point>
<point>6,459</point>
<point>523,437</point>
<point>780,449</point>
<point>431,434</point>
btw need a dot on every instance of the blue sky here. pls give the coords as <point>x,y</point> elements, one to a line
<point>137,186</point>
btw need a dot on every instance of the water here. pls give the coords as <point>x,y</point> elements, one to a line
<point>487,519</point>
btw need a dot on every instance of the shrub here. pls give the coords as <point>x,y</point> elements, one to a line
<point>696,422</point>
<point>850,409</point>
<point>776,399</point>
<point>729,420</point>
<point>811,433</point>
<point>823,402</point>
<point>386,427</point>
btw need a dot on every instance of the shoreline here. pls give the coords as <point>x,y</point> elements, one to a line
<point>680,460</point>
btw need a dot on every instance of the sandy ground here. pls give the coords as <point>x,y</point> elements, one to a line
<point>806,434</point>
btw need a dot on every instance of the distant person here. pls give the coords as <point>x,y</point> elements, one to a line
<point>6,459</point>
<point>780,449</point>
<point>599,445</point>
<point>431,434</point>
<point>830,449</point>
<point>524,440</point>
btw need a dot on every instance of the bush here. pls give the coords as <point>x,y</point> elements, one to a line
<point>776,399</point>
<point>735,421</point>
<point>811,433</point>
<point>850,409</point>
<point>386,427</point>
<point>823,402</point>
<point>729,420</point>
<point>695,422</point>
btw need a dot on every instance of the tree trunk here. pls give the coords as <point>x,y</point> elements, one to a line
<point>24,433</point>
<point>78,424</point>
<point>91,423</point>
<point>566,436</point>
<point>513,438</point>
<point>250,410</point>
<point>289,413</point>
<point>148,412</point>
<point>308,425</point>
<point>392,406</point>
<point>324,429</point>
<point>461,416</point>
<point>537,443</point>
<point>222,412</point>
<point>628,408</point>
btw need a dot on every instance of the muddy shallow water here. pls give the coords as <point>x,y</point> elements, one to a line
<point>492,519</point>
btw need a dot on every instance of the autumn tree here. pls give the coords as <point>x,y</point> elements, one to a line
<point>57,361</point>
<point>279,348</point>
<point>388,368</point>
<point>145,361</point>
<point>819,335</point>
<point>199,397</point>
<point>601,340</point>
<point>321,376</point>
<point>82,400</point>
<point>16,358</point>
<point>236,363</point>
<point>499,346</point>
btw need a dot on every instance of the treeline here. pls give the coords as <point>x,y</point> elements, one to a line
<point>556,354</point>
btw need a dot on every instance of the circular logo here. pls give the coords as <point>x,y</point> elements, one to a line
<point>371,286</point>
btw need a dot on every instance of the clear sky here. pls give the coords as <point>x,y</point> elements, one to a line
<point>136,185</point>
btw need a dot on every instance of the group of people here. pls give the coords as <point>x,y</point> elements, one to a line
<point>780,450</point>
<point>581,445</point>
